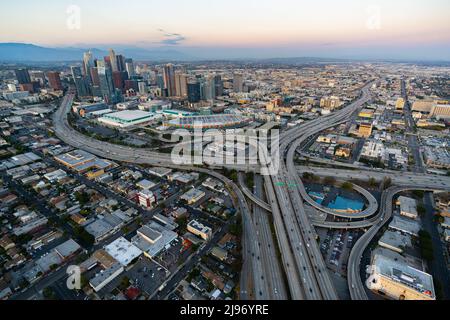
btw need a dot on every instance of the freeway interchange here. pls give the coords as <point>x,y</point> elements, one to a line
<point>306,275</point>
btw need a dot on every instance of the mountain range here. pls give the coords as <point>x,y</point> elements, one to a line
<point>24,52</point>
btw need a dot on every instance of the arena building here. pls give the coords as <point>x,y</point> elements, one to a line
<point>209,122</point>
<point>128,118</point>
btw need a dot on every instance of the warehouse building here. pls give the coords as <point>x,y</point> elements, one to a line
<point>408,207</point>
<point>123,251</point>
<point>395,241</point>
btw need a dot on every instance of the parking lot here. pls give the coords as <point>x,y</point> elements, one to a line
<point>146,275</point>
<point>335,246</point>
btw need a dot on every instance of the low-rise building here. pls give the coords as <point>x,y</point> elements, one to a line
<point>193,195</point>
<point>405,225</point>
<point>408,207</point>
<point>146,199</point>
<point>199,229</point>
<point>123,251</point>
<point>395,241</point>
<point>153,238</point>
<point>100,280</point>
<point>399,281</point>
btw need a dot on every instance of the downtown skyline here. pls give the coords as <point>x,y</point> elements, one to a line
<point>253,29</point>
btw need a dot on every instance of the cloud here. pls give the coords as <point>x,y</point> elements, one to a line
<point>171,39</point>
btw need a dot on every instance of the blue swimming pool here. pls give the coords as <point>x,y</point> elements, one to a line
<point>317,196</point>
<point>342,203</point>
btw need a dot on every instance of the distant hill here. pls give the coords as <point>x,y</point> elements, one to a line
<point>23,52</point>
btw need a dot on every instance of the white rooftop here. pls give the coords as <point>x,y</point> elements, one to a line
<point>129,115</point>
<point>123,251</point>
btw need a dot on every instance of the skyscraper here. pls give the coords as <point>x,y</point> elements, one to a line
<point>120,60</point>
<point>113,60</point>
<point>169,79</point>
<point>106,84</point>
<point>218,85</point>
<point>238,82</point>
<point>194,95</point>
<point>54,81</point>
<point>209,89</point>
<point>142,87</point>
<point>22,76</point>
<point>88,63</point>
<point>81,82</point>
<point>129,66</point>
<point>180,85</point>
<point>94,77</point>
<point>76,72</point>
<point>118,80</point>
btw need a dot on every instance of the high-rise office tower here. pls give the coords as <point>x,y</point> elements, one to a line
<point>88,63</point>
<point>142,87</point>
<point>22,76</point>
<point>106,84</point>
<point>209,89</point>
<point>37,76</point>
<point>131,84</point>
<point>54,80</point>
<point>118,80</point>
<point>218,85</point>
<point>120,60</point>
<point>180,85</point>
<point>82,86</point>
<point>129,66</point>
<point>194,94</point>
<point>94,77</point>
<point>113,60</point>
<point>169,79</point>
<point>107,62</point>
<point>238,82</point>
<point>81,82</point>
<point>76,72</point>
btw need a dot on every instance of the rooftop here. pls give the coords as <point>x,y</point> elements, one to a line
<point>404,274</point>
<point>123,251</point>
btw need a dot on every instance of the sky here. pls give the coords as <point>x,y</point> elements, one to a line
<point>394,29</point>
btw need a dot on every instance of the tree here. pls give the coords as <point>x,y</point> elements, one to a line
<point>347,186</point>
<point>329,181</point>
<point>125,283</point>
<point>372,182</point>
<point>387,182</point>
<point>82,197</point>
<point>439,219</point>
<point>418,193</point>
<point>421,210</point>
<point>426,245</point>
<point>49,294</point>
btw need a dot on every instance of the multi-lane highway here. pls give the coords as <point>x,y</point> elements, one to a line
<point>273,271</point>
<point>355,283</point>
<point>296,236</point>
<point>397,177</point>
<point>251,250</point>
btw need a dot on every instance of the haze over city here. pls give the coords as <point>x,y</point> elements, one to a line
<point>239,29</point>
